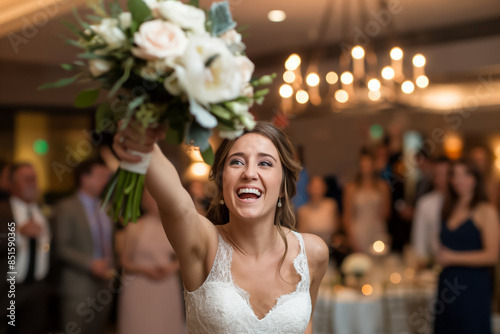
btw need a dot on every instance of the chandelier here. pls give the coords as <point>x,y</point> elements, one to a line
<point>360,81</point>
<point>355,86</point>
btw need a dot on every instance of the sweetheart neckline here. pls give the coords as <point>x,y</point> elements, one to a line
<point>246,294</point>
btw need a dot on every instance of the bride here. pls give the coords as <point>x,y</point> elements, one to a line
<point>243,267</point>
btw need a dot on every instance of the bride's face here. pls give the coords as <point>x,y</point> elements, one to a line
<point>252,177</point>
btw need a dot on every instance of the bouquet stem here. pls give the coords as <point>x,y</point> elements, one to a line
<point>124,191</point>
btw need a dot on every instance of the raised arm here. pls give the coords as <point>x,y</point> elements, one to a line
<point>192,236</point>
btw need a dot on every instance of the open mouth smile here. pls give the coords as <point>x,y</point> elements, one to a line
<point>249,194</point>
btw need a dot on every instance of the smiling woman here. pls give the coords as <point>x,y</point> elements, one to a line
<point>244,268</point>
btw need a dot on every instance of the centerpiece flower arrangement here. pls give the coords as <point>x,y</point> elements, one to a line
<point>163,62</point>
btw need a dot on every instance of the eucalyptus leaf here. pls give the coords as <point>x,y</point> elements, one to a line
<point>195,3</point>
<point>82,23</point>
<point>198,136</point>
<point>208,156</point>
<point>115,8</point>
<point>221,18</point>
<point>103,112</point>
<point>60,83</point>
<point>67,67</point>
<point>140,11</point>
<point>87,98</point>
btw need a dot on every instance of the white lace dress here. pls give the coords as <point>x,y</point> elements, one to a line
<point>219,306</point>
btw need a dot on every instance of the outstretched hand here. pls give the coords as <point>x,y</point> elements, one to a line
<point>133,137</point>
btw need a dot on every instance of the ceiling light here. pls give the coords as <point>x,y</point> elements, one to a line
<point>332,78</point>
<point>419,60</point>
<point>302,96</point>
<point>407,87</point>
<point>373,84</point>
<point>286,91</point>
<point>312,79</point>
<point>358,52</point>
<point>346,78</point>
<point>387,73</point>
<point>422,81</point>
<point>341,96</point>
<point>292,62</point>
<point>396,53</point>
<point>289,76</point>
<point>276,16</point>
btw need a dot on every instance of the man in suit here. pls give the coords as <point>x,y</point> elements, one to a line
<point>84,247</point>
<point>32,245</point>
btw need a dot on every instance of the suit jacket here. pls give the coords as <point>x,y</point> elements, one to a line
<point>5,218</point>
<point>75,250</point>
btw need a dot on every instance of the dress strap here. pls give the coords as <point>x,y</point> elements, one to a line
<point>301,265</point>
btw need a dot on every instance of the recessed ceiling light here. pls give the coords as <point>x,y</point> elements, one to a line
<point>276,16</point>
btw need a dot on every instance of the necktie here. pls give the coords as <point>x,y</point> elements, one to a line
<point>102,251</point>
<point>30,276</point>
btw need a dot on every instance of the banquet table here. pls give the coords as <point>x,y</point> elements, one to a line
<point>395,310</point>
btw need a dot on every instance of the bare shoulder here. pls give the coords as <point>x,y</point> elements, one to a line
<point>485,213</point>
<point>316,250</point>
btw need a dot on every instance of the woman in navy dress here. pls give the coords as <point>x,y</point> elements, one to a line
<point>470,238</point>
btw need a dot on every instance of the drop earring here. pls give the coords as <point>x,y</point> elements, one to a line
<point>221,202</point>
<point>279,203</point>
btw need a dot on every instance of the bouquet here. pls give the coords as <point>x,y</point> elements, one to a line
<point>163,62</point>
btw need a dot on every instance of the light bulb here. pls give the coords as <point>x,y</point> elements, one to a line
<point>332,78</point>
<point>286,91</point>
<point>419,60</point>
<point>302,96</point>
<point>373,84</point>
<point>358,52</point>
<point>341,96</point>
<point>407,87</point>
<point>422,81</point>
<point>292,62</point>
<point>346,78</point>
<point>396,53</point>
<point>312,79</point>
<point>387,73</point>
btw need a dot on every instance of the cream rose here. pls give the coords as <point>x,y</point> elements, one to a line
<point>109,31</point>
<point>186,16</point>
<point>220,81</point>
<point>159,39</point>
<point>98,67</point>
<point>125,19</point>
<point>246,68</point>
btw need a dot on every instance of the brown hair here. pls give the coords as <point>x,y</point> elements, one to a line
<point>479,193</point>
<point>285,215</point>
<point>367,153</point>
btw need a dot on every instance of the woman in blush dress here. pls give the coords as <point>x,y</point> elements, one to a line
<point>319,215</point>
<point>470,243</point>
<point>366,206</point>
<point>151,298</point>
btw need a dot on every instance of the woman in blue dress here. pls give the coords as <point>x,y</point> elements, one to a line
<point>470,244</point>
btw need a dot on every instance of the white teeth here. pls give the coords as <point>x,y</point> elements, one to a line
<point>249,191</point>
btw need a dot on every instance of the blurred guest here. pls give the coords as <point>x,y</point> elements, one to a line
<point>401,210</point>
<point>425,176</point>
<point>33,238</point>
<point>427,219</point>
<point>4,180</point>
<point>319,214</point>
<point>470,244</point>
<point>481,159</point>
<point>301,196</point>
<point>366,206</point>
<point>197,191</point>
<point>84,246</point>
<point>151,302</point>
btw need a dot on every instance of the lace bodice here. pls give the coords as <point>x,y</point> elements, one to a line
<point>219,306</point>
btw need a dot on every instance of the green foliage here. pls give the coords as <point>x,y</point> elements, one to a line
<point>87,98</point>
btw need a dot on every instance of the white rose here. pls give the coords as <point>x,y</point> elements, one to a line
<point>98,67</point>
<point>109,31</point>
<point>186,16</point>
<point>125,19</point>
<point>159,39</point>
<point>230,134</point>
<point>241,111</point>
<point>246,69</point>
<point>220,81</point>
<point>231,37</point>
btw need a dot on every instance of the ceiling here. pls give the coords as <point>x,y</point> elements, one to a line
<point>413,22</point>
